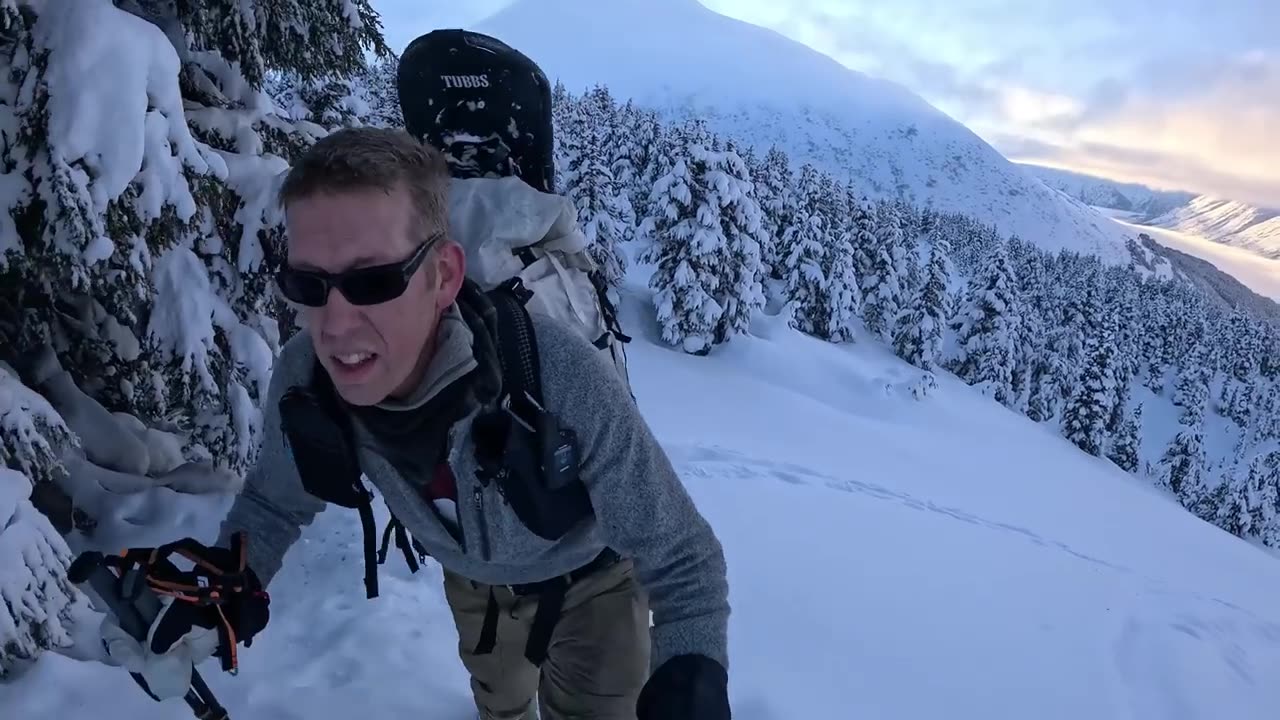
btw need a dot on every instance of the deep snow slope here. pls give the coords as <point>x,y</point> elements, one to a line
<point>763,88</point>
<point>1228,222</point>
<point>889,558</point>
<point>1141,200</point>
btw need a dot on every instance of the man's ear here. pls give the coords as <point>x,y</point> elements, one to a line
<point>451,270</point>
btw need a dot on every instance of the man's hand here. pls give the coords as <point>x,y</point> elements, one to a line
<point>206,611</point>
<point>174,644</point>
<point>686,687</point>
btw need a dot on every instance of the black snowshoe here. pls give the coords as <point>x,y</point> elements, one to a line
<point>484,103</point>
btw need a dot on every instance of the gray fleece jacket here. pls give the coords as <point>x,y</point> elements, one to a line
<point>641,507</point>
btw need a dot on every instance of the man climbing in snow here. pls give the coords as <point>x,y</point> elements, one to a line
<point>505,444</point>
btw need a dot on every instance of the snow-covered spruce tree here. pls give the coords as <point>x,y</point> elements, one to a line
<point>1029,269</point>
<point>802,254</point>
<point>1183,466</point>
<point>325,101</point>
<point>742,221</point>
<point>843,303</point>
<point>1261,498</point>
<point>380,79</point>
<point>36,599</point>
<point>138,159</point>
<point>776,192</point>
<point>865,243</point>
<point>914,241</point>
<point>1151,319</point>
<point>1189,331</point>
<point>1126,443</point>
<point>1084,421</point>
<point>1157,367</point>
<point>628,152</point>
<point>1122,298</point>
<point>664,143</point>
<point>369,97</point>
<point>881,285</point>
<point>563,106</point>
<point>818,265</point>
<point>704,246</point>
<point>986,329</point>
<point>1050,373</point>
<point>603,209</point>
<point>1122,392</point>
<point>918,339</point>
<point>1269,367</point>
<point>625,156</point>
<point>151,277</point>
<point>1243,365</point>
<point>1266,411</point>
<point>568,124</point>
<point>1247,499</point>
<point>1191,390</point>
<point>1120,318</point>
<point>1073,276</point>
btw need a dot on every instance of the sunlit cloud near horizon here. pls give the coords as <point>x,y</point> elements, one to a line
<point>1180,94</point>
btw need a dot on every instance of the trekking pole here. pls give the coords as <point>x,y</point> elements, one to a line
<point>135,612</point>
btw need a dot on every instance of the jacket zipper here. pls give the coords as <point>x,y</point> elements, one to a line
<point>448,460</point>
<point>478,497</point>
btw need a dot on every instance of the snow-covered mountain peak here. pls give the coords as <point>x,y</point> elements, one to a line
<point>682,47</point>
<point>756,85</point>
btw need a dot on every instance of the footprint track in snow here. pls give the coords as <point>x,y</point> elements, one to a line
<point>715,462</point>
<point>1162,655</point>
<point>1167,644</point>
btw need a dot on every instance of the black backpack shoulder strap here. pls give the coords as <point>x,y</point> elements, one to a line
<point>320,438</point>
<point>548,494</point>
<point>517,350</point>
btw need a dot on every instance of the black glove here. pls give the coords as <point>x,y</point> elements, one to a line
<point>686,687</point>
<point>233,604</point>
<point>207,610</point>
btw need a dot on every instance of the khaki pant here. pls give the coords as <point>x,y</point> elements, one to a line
<point>597,662</point>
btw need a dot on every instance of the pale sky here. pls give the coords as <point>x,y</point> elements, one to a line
<point>1175,93</point>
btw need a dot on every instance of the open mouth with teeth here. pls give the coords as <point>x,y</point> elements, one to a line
<point>354,362</point>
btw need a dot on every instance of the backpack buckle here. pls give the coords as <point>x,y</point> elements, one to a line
<point>515,286</point>
<point>515,414</point>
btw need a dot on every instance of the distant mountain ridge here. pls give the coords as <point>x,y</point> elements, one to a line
<point>762,88</point>
<point>1229,222</point>
<point>1145,202</point>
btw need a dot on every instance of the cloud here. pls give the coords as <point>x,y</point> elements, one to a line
<point>1176,92</point>
<point>1219,136</point>
<point>1155,169</point>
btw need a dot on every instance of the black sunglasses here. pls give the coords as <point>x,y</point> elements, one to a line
<point>371,285</point>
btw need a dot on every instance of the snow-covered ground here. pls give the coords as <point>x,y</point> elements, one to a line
<point>1260,274</point>
<point>889,558</point>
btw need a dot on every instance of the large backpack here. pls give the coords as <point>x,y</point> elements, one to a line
<point>487,107</point>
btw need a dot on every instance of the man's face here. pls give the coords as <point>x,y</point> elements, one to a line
<point>372,352</point>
